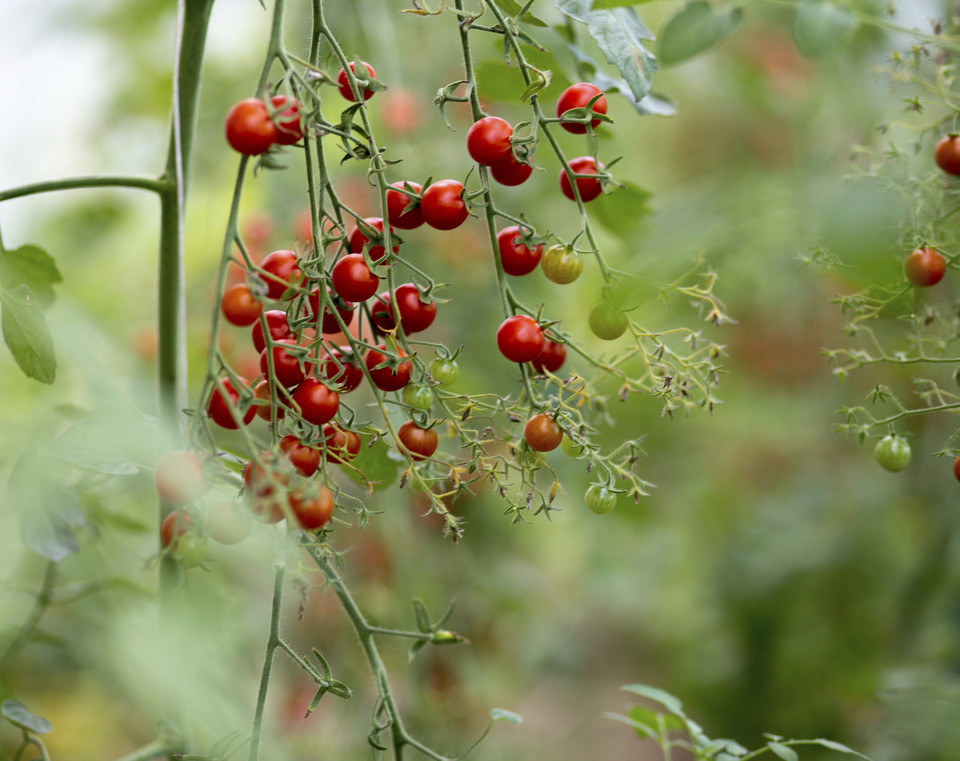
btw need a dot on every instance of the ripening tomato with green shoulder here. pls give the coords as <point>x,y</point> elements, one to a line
<point>542,433</point>
<point>420,443</point>
<point>561,264</point>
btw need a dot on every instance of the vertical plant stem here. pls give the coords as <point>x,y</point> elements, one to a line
<point>273,642</point>
<point>40,605</point>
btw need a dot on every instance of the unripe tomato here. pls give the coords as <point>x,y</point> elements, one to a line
<point>893,453</point>
<point>226,523</point>
<point>607,321</point>
<point>343,84</point>
<point>520,338</point>
<point>287,370</point>
<point>516,258</point>
<point>444,370</point>
<point>570,448</point>
<point>358,239</point>
<point>925,267</point>
<point>421,443</point>
<point>289,130</point>
<point>277,327</point>
<point>280,270</point>
<point>328,322</point>
<point>418,397</point>
<point>341,368</point>
<point>562,264</point>
<point>947,154</point>
<point>248,128</point>
<point>387,378</point>
<point>239,306</point>
<point>600,499</point>
<point>589,187</point>
<point>442,206</point>
<point>542,433</point>
<point>317,403</point>
<point>488,140</point>
<point>305,459</point>
<point>180,478</point>
<point>511,172</point>
<point>578,96</point>
<point>224,401</point>
<point>397,202</point>
<point>312,510</point>
<point>353,279</point>
<point>551,357</point>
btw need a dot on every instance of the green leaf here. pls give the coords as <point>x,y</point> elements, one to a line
<point>26,333</point>
<point>695,29</point>
<point>665,699</point>
<point>602,4</point>
<point>649,104</point>
<point>820,27</point>
<point>89,446</point>
<point>513,8</point>
<point>15,712</point>
<point>784,752</point>
<point>621,211</point>
<point>378,462</point>
<point>424,622</point>
<point>644,721</point>
<point>30,266</point>
<point>619,32</point>
<point>840,747</point>
<point>501,714</point>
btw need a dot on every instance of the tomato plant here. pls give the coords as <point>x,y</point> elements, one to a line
<point>358,240</point>
<point>343,83</point>
<point>328,320</point>
<point>341,446</point>
<point>397,203</point>
<point>511,172</point>
<point>278,328</point>
<point>579,96</point>
<point>287,368</point>
<point>419,397</point>
<point>224,405</point>
<point>289,130</point>
<point>341,368</point>
<point>279,271</point>
<point>248,127</point>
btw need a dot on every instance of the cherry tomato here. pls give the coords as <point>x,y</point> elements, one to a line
<point>542,433</point>
<point>444,370</point>
<point>947,154</point>
<point>511,172</point>
<point>488,140</point>
<point>305,459</point>
<point>925,267</point>
<point>261,392</point>
<point>441,205</point>
<point>343,84</point>
<point>415,314</point>
<point>893,453</point>
<point>956,468</point>
<point>570,448</point>
<point>248,127</point>
<point>328,322</point>
<point>387,378</point>
<point>287,370</point>
<point>397,202</point>
<point>224,400</point>
<point>551,357</point>
<point>180,478</point>
<point>341,446</point>
<point>421,443</point>
<point>175,525</point>
<point>353,280</point>
<point>418,397</point>
<point>358,239</point>
<point>520,338</point>
<point>600,499</point>
<point>578,96</point>
<point>289,130</point>
<point>264,486</point>
<point>280,270</point>
<point>340,367</point>
<point>226,523</point>
<point>589,187</point>
<point>312,510</point>
<point>317,403</point>
<point>561,264</point>
<point>277,327</point>
<point>607,321</point>
<point>239,306</point>
<point>517,259</point>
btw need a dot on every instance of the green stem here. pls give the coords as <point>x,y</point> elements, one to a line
<point>91,181</point>
<point>153,750</point>
<point>273,642</point>
<point>40,605</point>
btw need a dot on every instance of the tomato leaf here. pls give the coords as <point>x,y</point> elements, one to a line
<point>379,463</point>
<point>513,8</point>
<point>665,699</point>
<point>695,29</point>
<point>839,747</point>
<point>30,266</point>
<point>16,713</point>
<point>501,714</point>
<point>783,751</point>
<point>26,333</point>
<point>601,4</point>
<point>619,32</point>
<point>820,27</point>
<point>649,104</point>
<point>620,212</point>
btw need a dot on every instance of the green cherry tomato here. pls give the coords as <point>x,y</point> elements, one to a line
<point>444,371</point>
<point>607,321</point>
<point>893,453</point>
<point>191,549</point>
<point>561,264</point>
<point>600,499</point>
<point>418,397</point>
<point>570,448</point>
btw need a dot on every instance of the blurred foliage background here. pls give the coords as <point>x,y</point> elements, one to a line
<point>776,580</point>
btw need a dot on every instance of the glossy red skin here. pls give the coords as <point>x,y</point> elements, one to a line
<point>219,408</point>
<point>318,404</point>
<point>925,267</point>
<point>262,391</point>
<point>343,84</point>
<point>248,128</point>
<point>520,338</point>
<point>286,365</point>
<point>421,443</point>
<point>289,130</point>
<point>352,279</point>
<point>342,446</point>
<point>577,96</point>
<point>947,154</point>
<point>589,187</point>
<point>312,512</point>
<point>441,205</point>
<point>328,323</point>
<point>488,140</point>
<point>277,327</point>
<point>415,314</point>
<point>347,375</point>
<point>542,433</point>
<point>511,172</point>
<point>305,459</point>
<point>358,240</point>
<point>284,267</point>
<point>179,477</point>
<point>385,378</point>
<point>551,356</point>
<point>175,525</point>
<point>397,202</point>
<point>239,306</point>
<point>516,258</point>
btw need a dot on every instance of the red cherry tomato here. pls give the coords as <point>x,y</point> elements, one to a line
<point>415,314</point>
<point>305,459</point>
<point>343,84</point>
<point>551,357</point>
<point>180,478</point>
<point>386,378</point>
<point>488,140</point>
<point>421,443</point>
<point>358,239</point>
<point>239,306</point>
<point>280,270</point>
<point>262,392</point>
<point>947,154</point>
<point>328,323</point>
<point>441,205</point>
<point>289,130</point>
<point>353,280</point>
<point>397,202</point>
<point>248,127</point>
<point>520,338</point>
<point>224,401</point>
<point>511,172</point>
<point>516,258</point>
<point>346,376</point>
<point>317,403</point>
<point>312,511</point>
<point>925,267</point>
<point>277,327</point>
<point>578,96</point>
<point>589,187</point>
<point>542,433</point>
<point>341,446</point>
<point>287,370</point>
<point>175,525</point>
